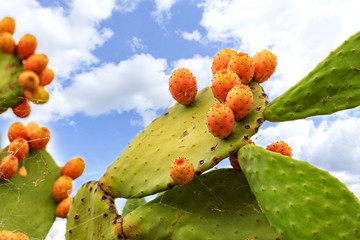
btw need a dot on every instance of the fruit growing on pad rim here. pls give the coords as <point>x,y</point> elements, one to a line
<point>240,100</point>
<point>73,168</point>
<point>222,59</point>
<point>63,207</point>
<point>243,65</point>
<point>7,43</point>
<point>62,188</point>
<point>17,130</point>
<point>26,46</point>
<point>220,120</point>
<point>19,147</point>
<point>8,167</point>
<point>29,80</point>
<point>39,138</point>
<point>7,24</point>
<point>36,63</point>
<point>280,147</point>
<point>182,86</point>
<point>22,109</point>
<point>182,171</point>
<point>265,65</point>
<point>223,81</point>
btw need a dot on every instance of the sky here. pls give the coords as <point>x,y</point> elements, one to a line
<point>113,59</point>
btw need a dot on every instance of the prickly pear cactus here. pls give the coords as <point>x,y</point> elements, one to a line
<point>132,204</point>
<point>333,85</point>
<point>299,200</point>
<point>216,205</point>
<point>10,91</point>
<point>93,215</point>
<point>143,168</point>
<point>27,205</point>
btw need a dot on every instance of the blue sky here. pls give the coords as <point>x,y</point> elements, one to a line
<point>113,59</point>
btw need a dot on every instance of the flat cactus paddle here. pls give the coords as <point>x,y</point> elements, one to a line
<point>26,203</point>
<point>299,200</point>
<point>333,85</point>
<point>215,205</point>
<point>132,204</point>
<point>11,92</point>
<point>144,167</point>
<point>93,215</point>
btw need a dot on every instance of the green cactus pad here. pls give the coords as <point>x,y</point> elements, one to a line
<point>216,205</point>
<point>132,204</point>
<point>333,85</point>
<point>299,200</point>
<point>93,215</point>
<point>144,167</point>
<point>26,203</point>
<point>10,91</point>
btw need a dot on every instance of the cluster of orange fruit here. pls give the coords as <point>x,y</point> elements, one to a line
<point>9,235</point>
<point>36,74</point>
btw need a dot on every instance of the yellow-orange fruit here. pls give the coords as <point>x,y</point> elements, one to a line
<point>17,130</point>
<point>220,120</point>
<point>280,147</point>
<point>22,109</point>
<point>7,235</point>
<point>265,65</point>
<point>73,168</point>
<point>46,76</point>
<point>38,96</point>
<point>19,147</point>
<point>240,100</point>
<point>36,63</point>
<point>26,46</point>
<point>7,24</point>
<point>20,236</point>
<point>223,81</point>
<point>222,59</point>
<point>29,80</point>
<point>22,172</point>
<point>63,207</point>
<point>8,166</point>
<point>7,43</point>
<point>243,65</point>
<point>183,86</point>
<point>62,188</point>
<point>182,171</point>
<point>38,138</point>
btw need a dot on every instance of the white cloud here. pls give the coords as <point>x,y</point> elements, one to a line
<point>192,36</point>
<point>162,10</point>
<point>136,44</point>
<point>126,6</point>
<point>57,231</point>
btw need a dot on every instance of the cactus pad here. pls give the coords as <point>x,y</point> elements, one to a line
<point>144,167</point>
<point>299,200</point>
<point>93,215</point>
<point>26,203</point>
<point>333,85</point>
<point>131,204</point>
<point>10,91</point>
<point>216,205</point>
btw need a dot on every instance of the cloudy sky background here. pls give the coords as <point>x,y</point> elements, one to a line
<point>113,59</point>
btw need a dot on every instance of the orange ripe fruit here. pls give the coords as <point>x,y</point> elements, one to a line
<point>46,76</point>
<point>17,130</point>
<point>183,86</point>
<point>7,24</point>
<point>26,46</point>
<point>265,65</point>
<point>39,96</point>
<point>8,167</point>
<point>182,171</point>
<point>240,100</point>
<point>62,188</point>
<point>19,147</point>
<point>38,138</point>
<point>280,147</point>
<point>36,63</point>
<point>220,120</point>
<point>7,43</point>
<point>29,80</point>
<point>22,109</point>
<point>222,59</point>
<point>223,81</point>
<point>73,168</point>
<point>63,207</point>
<point>243,65</point>
<point>7,235</point>
<point>20,236</point>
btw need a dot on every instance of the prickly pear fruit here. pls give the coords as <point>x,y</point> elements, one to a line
<point>280,147</point>
<point>7,43</point>
<point>19,147</point>
<point>223,81</point>
<point>17,130</point>
<point>240,100</point>
<point>22,109</point>
<point>22,172</point>
<point>63,207</point>
<point>220,120</point>
<point>30,127</point>
<point>243,65</point>
<point>6,235</point>
<point>38,96</point>
<point>182,85</point>
<point>7,24</point>
<point>39,138</point>
<point>8,167</point>
<point>182,171</point>
<point>29,80</point>
<point>36,63</point>
<point>26,46</point>
<point>73,168</point>
<point>62,188</point>
<point>222,59</point>
<point>265,65</point>
<point>46,76</point>
<point>20,236</point>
